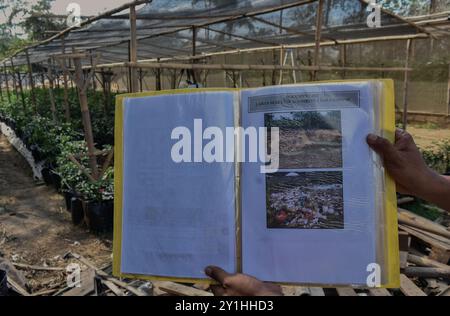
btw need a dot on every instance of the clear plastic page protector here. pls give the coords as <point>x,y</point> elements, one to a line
<point>177,218</point>
<point>314,220</point>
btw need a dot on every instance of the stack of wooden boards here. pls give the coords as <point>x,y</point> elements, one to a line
<point>424,256</point>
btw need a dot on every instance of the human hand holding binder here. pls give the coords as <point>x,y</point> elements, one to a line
<point>405,164</point>
<point>240,284</point>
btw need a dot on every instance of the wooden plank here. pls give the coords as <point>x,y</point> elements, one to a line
<point>179,289</point>
<point>113,288</point>
<point>106,276</point>
<point>404,243</point>
<point>409,288</point>
<point>317,291</point>
<point>346,291</point>
<point>379,292</point>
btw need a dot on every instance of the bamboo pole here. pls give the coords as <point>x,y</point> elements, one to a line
<point>30,77</point>
<point>319,19</point>
<point>406,85</point>
<point>66,104</point>
<point>133,50</point>
<point>1,89</point>
<point>51,90</point>
<point>5,73</point>
<point>86,117</point>
<point>243,67</point>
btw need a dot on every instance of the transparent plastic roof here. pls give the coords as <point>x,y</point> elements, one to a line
<point>166,28</point>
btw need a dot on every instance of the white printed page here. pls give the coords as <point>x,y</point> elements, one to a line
<point>312,221</point>
<point>178,218</point>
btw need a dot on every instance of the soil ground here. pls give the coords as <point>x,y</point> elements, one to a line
<point>427,137</point>
<point>35,227</point>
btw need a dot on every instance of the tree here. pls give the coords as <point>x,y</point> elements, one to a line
<point>39,21</point>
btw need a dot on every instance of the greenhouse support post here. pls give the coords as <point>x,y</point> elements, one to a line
<point>94,85</point>
<point>141,74</point>
<point>22,96</point>
<point>343,56</point>
<point>194,53</point>
<point>81,83</point>
<point>51,90</point>
<point>30,78</point>
<point>158,78</point>
<point>66,97</point>
<point>5,73</point>
<point>133,50</point>
<point>13,74</point>
<point>43,79</point>
<point>18,84</point>
<point>406,84</point>
<point>318,39</point>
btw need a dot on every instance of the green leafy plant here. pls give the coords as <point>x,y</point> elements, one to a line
<point>438,157</point>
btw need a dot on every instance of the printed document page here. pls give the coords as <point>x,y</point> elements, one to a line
<point>313,220</point>
<point>178,217</point>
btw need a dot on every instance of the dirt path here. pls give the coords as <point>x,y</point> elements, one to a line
<point>35,228</point>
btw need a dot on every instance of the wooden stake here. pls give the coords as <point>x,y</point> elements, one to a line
<point>158,79</point>
<point>133,50</point>
<point>30,77</point>
<point>406,85</point>
<point>141,85</point>
<point>106,78</point>
<point>86,117</point>
<point>319,19</point>
<point>344,59</point>
<point>5,73</point>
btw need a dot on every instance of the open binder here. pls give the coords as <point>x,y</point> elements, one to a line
<point>327,215</point>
